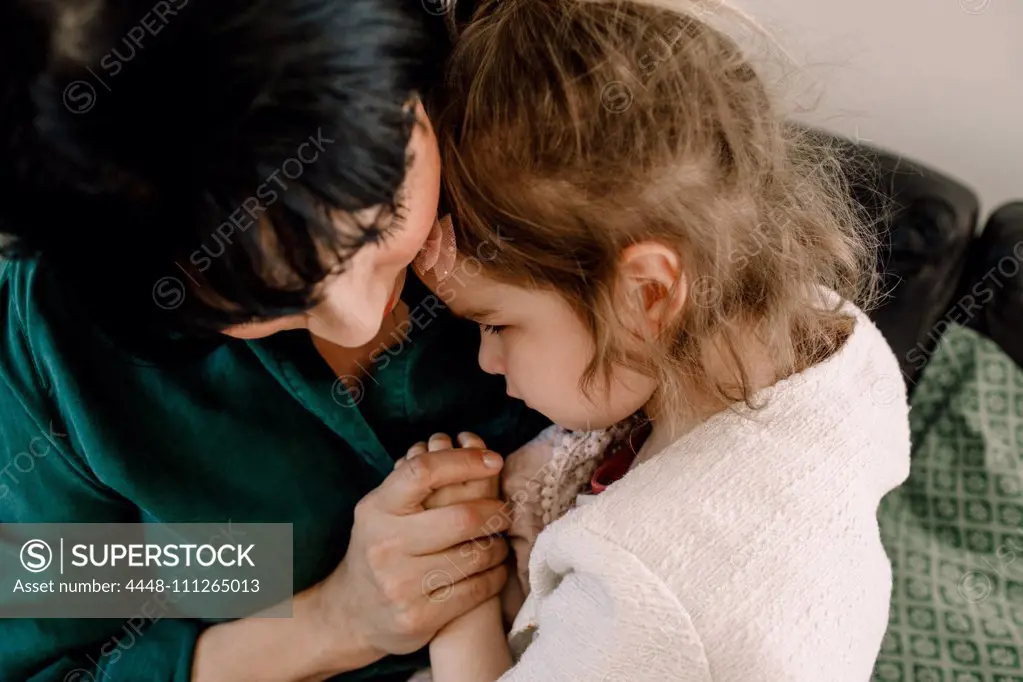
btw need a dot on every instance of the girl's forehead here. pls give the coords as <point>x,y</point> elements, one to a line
<point>491,301</point>
<point>472,297</point>
<point>468,292</point>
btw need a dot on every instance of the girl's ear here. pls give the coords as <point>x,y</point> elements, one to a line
<point>654,286</point>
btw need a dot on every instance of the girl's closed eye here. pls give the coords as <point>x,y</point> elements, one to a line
<point>492,328</point>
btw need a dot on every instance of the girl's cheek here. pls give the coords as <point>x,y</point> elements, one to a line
<point>517,364</point>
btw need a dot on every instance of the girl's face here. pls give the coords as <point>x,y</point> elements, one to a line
<point>355,302</point>
<point>541,347</point>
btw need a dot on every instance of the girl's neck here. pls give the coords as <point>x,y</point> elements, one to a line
<point>763,372</point>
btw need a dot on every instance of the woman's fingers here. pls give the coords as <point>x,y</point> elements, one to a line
<point>437,443</point>
<point>407,573</point>
<point>436,530</point>
<point>463,492</point>
<point>471,557</point>
<point>456,598</point>
<point>405,489</point>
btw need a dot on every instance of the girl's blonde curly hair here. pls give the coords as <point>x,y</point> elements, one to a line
<point>577,127</point>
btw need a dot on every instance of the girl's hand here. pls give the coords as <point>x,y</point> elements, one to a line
<point>471,647</point>
<point>483,489</point>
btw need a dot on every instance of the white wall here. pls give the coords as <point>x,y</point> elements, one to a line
<point>939,81</point>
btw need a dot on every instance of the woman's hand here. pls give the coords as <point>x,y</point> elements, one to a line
<point>482,489</point>
<point>410,570</point>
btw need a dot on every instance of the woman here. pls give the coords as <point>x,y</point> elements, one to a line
<point>211,209</point>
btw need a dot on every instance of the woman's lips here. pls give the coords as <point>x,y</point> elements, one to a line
<point>438,253</point>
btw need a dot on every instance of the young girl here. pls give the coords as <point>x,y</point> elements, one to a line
<point>671,274</point>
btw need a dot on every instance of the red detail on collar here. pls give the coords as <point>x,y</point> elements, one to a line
<point>618,458</point>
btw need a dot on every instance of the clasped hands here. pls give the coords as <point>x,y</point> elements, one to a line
<point>426,547</point>
<point>519,517</point>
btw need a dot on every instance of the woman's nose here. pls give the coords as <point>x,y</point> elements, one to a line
<point>490,355</point>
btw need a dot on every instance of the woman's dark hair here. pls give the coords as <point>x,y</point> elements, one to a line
<point>180,166</point>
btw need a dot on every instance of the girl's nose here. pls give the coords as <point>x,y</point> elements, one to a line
<point>490,358</point>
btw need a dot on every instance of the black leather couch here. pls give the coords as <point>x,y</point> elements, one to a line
<point>995,275</point>
<point>937,268</point>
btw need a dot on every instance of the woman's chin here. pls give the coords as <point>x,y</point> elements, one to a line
<point>261,330</point>
<point>345,338</point>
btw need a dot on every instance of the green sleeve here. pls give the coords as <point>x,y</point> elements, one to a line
<point>43,480</point>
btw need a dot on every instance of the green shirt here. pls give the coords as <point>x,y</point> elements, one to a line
<point>253,431</point>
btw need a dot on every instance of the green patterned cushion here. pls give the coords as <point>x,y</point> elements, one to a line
<point>954,530</point>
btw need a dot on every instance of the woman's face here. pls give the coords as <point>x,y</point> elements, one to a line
<point>355,302</point>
